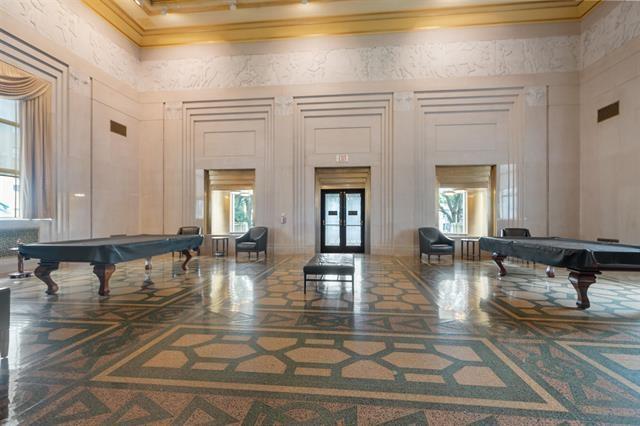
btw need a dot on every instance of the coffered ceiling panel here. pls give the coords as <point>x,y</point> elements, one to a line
<point>171,22</point>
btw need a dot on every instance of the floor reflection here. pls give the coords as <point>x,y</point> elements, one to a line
<point>4,389</point>
<point>411,343</point>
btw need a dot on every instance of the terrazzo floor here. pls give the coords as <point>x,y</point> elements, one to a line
<point>239,343</point>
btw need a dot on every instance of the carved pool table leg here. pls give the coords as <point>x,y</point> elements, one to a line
<point>551,272</point>
<point>498,258</point>
<point>187,255</point>
<point>4,343</point>
<point>104,271</point>
<point>581,282</point>
<point>43,272</point>
<point>148,266</point>
<point>5,302</point>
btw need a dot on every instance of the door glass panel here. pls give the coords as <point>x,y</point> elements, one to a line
<point>332,219</point>
<point>332,235</point>
<point>354,219</point>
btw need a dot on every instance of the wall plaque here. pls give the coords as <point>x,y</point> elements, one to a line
<point>609,111</point>
<point>118,128</point>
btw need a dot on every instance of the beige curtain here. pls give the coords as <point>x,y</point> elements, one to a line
<point>35,122</point>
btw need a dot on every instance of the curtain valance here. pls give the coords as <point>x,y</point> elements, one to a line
<point>36,181</point>
<point>17,84</point>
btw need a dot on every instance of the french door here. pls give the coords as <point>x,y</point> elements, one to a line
<point>342,221</point>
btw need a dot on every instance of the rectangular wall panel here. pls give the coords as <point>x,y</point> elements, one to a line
<point>226,144</point>
<point>466,137</point>
<point>342,139</point>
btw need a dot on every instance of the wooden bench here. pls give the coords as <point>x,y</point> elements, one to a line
<point>322,266</point>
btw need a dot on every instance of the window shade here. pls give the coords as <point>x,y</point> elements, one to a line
<point>463,177</point>
<point>342,177</point>
<point>231,180</point>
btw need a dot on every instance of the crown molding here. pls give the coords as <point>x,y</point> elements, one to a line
<point>368,23</point>
<point>117,17</point>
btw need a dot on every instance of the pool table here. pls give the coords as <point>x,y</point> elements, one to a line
<point>104,253</point>
<point>583,259</point>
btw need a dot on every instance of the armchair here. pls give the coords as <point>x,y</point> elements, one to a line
<point>189,230</point>
<point>255,240</point>
<point>515,232</point>
<point>432,241</point>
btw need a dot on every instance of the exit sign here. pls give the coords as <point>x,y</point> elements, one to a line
<point>342,158</point>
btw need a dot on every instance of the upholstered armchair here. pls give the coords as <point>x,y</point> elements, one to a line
<point>515,232</point>
<point>432,241</point>
<point>189,230</point>
<point>254,241</point>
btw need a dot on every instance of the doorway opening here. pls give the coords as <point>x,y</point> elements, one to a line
<point>342,210</point>
<point>229,201</point>
<point>342,227</point>
<point>465,200</point>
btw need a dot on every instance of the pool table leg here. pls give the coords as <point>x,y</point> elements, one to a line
<point>148,266</point>
<point>498,258</point>
<point>104,271</point>
<point>581,282</point>
<point>187,258</point>
<point>43,272</point>
<point>5,302</point>
<point>550,271</point>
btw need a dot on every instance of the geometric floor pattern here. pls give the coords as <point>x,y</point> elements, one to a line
<point>240,343</point>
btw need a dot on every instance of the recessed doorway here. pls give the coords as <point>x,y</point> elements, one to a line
<point>465,200</point>
<point>343,209</point>
<point>342,225</point>
<point>229,199</point>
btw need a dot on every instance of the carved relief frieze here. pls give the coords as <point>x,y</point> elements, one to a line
<point>406,62</point>
<point>403,101</point>
<point>610,32</point>
<point>536,96</point>
<point>79,82</point>
<point>59,21</point>
<point>173,110</point>
<point>284,105</point>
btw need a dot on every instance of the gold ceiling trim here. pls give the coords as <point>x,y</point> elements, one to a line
<point>155,8</point>
<point>368,23</point>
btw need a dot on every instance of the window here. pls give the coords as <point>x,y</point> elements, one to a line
<point>9,159</point>
<point>230,201</point>
<point>241,211</point>
<point>465,199</point>
<point>453,211</point>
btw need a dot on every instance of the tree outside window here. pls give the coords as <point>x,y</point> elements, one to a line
<point>241,211</point>
<point>452,211</point>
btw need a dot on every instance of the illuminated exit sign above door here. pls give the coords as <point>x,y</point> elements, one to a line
<point>342,158</point>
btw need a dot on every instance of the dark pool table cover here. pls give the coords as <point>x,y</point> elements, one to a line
<point>110,250</point>
<point>562,252</point>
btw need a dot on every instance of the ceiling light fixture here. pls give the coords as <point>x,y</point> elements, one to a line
<point>164,10</point>
<point>304,1</point>
<point>232,5</point>
<point>138,2</point>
